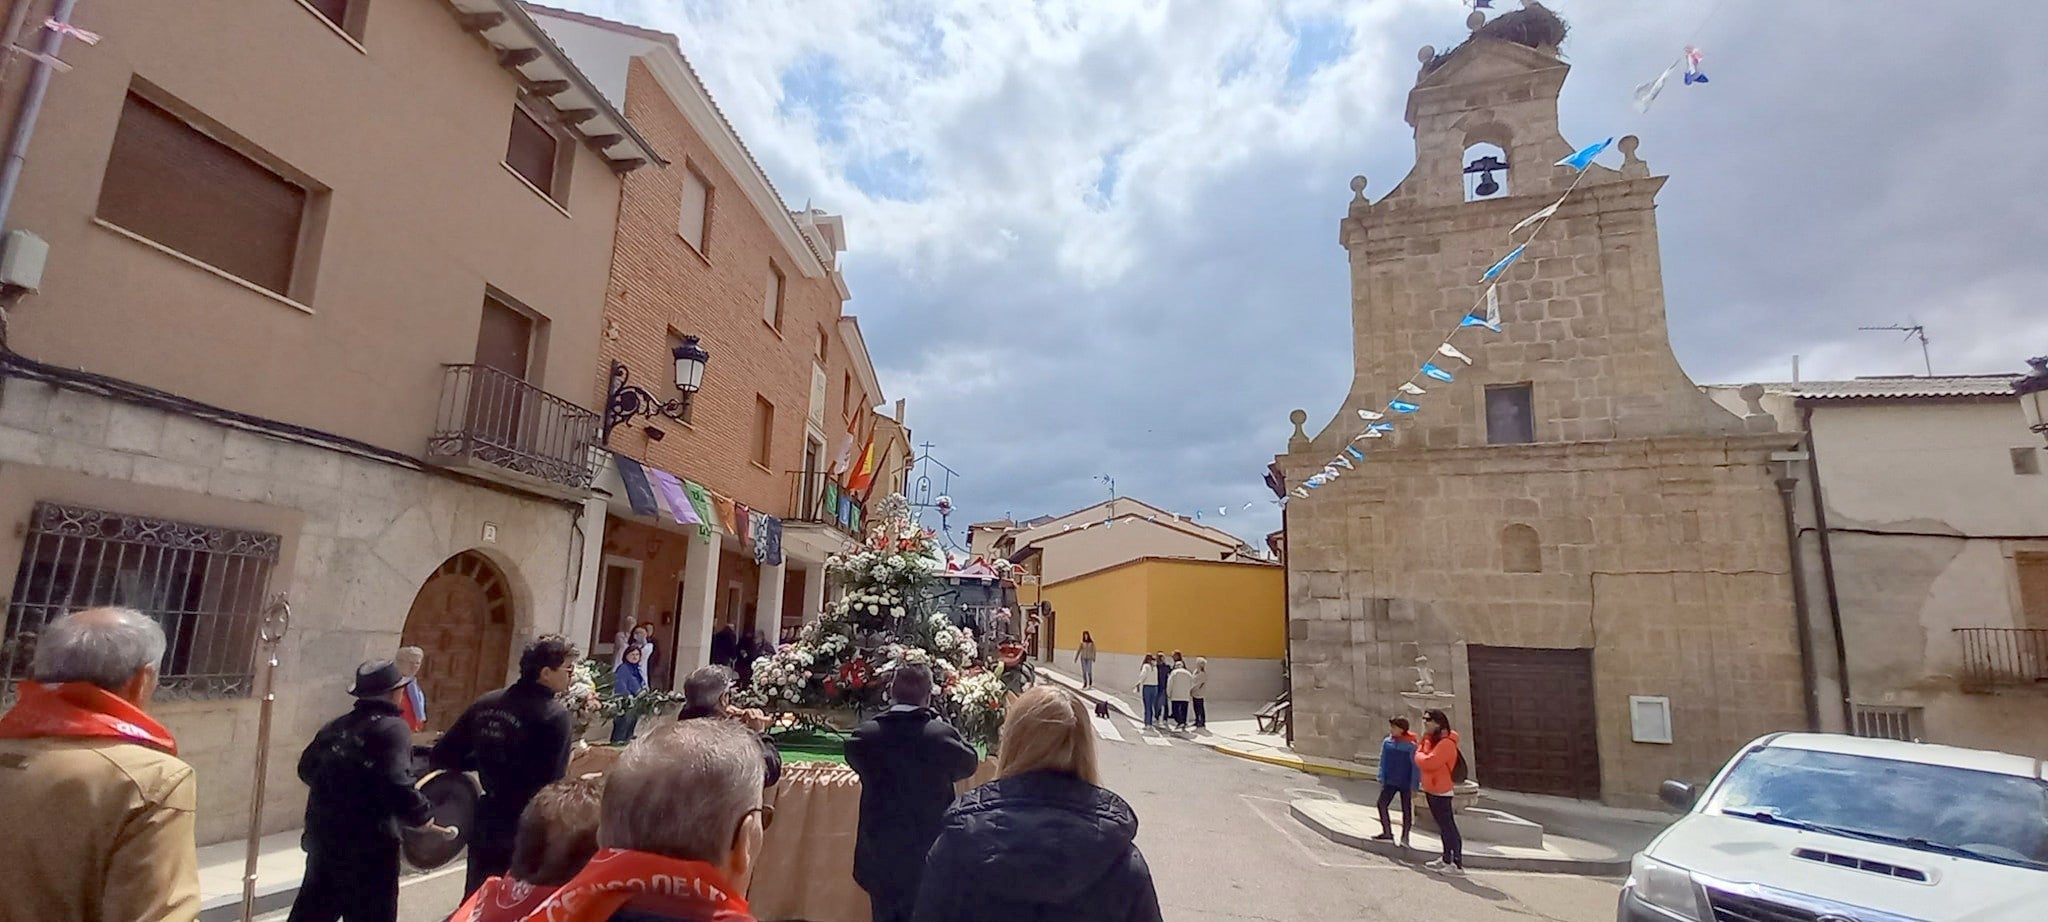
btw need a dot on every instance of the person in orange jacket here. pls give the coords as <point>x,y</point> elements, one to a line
<point>1436,755</point>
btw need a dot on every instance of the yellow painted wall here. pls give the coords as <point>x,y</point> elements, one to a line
<point>1203,608</point>
<point>1109,604</point>
<point>1214,609</point>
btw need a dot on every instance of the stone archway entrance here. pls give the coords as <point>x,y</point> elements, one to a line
<point>462,618</point>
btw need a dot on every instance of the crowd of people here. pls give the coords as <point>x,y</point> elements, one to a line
<point>1169,689</point>
<point>670,832</point>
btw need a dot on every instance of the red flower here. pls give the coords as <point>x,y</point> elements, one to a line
<point>831,687</point>
<point>855,673</point>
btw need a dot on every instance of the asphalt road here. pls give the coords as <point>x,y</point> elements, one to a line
<point>1216,833</point>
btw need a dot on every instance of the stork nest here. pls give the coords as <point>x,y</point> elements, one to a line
<point>1533,26</point>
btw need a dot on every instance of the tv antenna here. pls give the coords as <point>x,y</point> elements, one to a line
<point>1912,331</point>
<point>1108,481</point>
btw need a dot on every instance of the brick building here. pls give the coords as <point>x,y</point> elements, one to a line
<point>707,249</point>
<point>1589,552</point>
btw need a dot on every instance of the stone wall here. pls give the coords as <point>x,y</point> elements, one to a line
<point>1643,522</point>
<point>360,536</point>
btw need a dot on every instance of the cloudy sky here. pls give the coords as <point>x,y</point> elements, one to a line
<point>1098,237</point>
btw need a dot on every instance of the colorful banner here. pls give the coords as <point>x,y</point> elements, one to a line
<point>639,494</point>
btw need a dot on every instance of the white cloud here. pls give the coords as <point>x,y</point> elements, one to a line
<point>1836,173</point>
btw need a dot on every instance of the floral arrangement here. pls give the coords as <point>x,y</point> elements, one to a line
<point>845,660</point>
<point>585,695</point>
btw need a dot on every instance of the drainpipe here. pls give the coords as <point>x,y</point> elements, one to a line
<point>1287,623</point>
<point>1801,616</point>
<point>31,107</point>
<point>1827,567</point>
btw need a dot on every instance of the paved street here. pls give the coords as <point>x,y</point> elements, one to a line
<point>1216,832</point>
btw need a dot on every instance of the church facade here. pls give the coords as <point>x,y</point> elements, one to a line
<point>1570,548</point>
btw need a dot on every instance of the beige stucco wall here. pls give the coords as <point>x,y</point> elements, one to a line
<point>408,132</point>
<point>1926,514</point>
<point>1085,551</point>
<point>360,537</point>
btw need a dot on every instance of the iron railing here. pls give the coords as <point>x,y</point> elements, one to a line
<point>808,496</point>
<point>205,584</point>
<point>490,416</point>
<point>2003,656</point>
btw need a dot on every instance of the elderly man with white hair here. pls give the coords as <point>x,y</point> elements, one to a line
<point>682,824</point>
<point>111,803</point>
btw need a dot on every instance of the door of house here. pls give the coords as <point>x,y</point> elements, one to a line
<point>504,344</point>
<point>1533,725</point>
<point>462,619</point>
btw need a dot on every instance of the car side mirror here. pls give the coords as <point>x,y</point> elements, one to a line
<point>1678,794</point>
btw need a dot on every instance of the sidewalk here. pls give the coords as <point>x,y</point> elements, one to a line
<point>1233,730</point>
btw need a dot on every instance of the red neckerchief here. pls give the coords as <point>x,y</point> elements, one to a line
<point>81,710</point>
<point>502,899</point>
<point>656,883</point>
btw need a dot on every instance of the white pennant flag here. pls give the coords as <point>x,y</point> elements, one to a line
<point>1371,434</point>
<point>1547,211</point>
<point>1346,462</point>
<point>1371,414</point>
<point>1493,308</point>
<point>1412,390</point>
<point>1648,92</point>
<point>1298,491</point>
<point>1449,351</point>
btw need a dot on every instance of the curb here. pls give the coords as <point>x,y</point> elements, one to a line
<point>1585,867</point>
<point>1294,762</point>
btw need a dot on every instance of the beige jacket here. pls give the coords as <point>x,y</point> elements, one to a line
<point>100,831</point>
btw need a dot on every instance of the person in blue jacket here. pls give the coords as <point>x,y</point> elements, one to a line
<point>630,678</point>
<point>1398,778</point>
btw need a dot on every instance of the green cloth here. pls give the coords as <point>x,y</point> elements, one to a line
<point>814,746</point>
<point>707,517</point>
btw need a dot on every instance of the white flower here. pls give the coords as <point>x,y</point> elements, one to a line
<point>896,612</point>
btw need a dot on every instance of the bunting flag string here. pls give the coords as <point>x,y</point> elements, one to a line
<point>1412,389</point>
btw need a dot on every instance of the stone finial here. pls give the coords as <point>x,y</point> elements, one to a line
<point>1475,20</point>
<point>1426,55</point>
<point>1359,205</point>
<point>1632,166</point>
<point>1752,399</point>
<point>1300,438</point>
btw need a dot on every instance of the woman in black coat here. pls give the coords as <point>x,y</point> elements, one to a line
<point>1044,841</point>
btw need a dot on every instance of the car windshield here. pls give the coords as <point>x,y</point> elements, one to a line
<point>1970,814</point>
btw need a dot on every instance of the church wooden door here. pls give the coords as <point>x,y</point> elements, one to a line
<point>462,618</point>
<point>1533,726</point>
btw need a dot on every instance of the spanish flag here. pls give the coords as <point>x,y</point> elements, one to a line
<point>864,471</point>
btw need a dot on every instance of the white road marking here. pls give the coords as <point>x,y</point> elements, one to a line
<point>1155,739</point>
<point>1105,729</point>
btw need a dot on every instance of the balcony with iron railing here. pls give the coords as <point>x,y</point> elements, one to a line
<point>502,428</point>
<point>807,502</point>
<point>2003,657</point>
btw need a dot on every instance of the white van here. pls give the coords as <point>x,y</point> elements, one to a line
<point>1812,827</point>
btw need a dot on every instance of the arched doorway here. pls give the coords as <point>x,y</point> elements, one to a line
<point>462,618</point>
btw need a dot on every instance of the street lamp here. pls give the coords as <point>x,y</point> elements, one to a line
<point>625,400</point>
<point>2033,394</point>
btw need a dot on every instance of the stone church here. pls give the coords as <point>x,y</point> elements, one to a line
<point>1587,554</point>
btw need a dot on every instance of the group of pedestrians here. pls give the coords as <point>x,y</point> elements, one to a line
<point>738,650</point>
<point>1171,690</point>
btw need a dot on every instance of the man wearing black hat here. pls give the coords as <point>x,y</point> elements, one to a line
<point>517,740</point>
<point>359,770</point>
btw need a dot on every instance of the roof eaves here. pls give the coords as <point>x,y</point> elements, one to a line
<point>514,31</point>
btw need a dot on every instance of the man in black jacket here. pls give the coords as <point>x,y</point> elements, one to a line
<point>707,693</point>
<point>359,770</point>
<point>517,740</point>
<point>908,759</point>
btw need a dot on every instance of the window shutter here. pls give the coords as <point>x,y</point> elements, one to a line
<point>771,303</point>
<point>168,181</point>
<point>531,151</point>
<point>696,200</point>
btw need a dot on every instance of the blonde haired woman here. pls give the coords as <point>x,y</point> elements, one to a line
<point>1044,840</point>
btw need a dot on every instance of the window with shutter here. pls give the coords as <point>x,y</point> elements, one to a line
<point>695,222</point>
<point>764,430</point>
<point>533,152</point>
<point>171,182</point>
<point>771,302</point>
